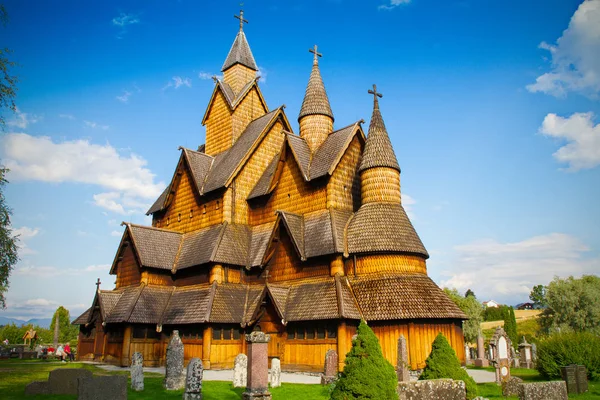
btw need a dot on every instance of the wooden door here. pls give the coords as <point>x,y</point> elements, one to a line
<point>99,342</point>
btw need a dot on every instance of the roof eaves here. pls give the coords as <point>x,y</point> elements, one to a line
<point>134,302</point>
<point>210,102</point>
<point>299,247</point>
<point>213,255</point>
<point>305,174</point>
<point>211,299</point>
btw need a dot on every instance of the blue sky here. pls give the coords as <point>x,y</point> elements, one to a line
<point>493,109</point>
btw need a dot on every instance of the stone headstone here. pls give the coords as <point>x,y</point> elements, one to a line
<point>193,381</point>
<point>240,370</point>
<point>575,377</point>
<point>402,361</point>
<point>110,387</point>
<point>258,366</point>
<point>481,361</point>
<point>275,372</point>
<point>525,352</point>
<point>515,358</point>
<point>446,389</point>
<point>137,372</point>
<point>331,366</point>
<point>500,346</point>
<point>533,352</point>
<point>174,379</point>
<point>555,390</point>
<point>511,386</point>
<point>37,387</point>
<point>64,380</point>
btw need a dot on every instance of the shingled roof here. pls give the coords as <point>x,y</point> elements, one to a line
<point>378,147</point>
<point>382,227</point>
<point>315,99</point>
<point>240,53</point>
<point>231,98</point>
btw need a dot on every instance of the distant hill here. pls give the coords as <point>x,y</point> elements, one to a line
<point>42,322</point>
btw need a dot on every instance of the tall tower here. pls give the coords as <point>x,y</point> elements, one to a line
<point>379,169</point>
<point>239,67</point>
<point>316,118</point>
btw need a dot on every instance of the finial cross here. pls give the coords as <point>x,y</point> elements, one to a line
<point>315,52</point>
<point>98,284</point>
<point>266,275</point>
<point>374,92</point>
<point>242,20</point>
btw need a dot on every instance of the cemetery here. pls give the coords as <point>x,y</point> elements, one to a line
<point>283,266</point>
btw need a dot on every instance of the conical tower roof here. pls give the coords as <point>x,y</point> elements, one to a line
<point>315,99</point>
<point>240,52</point>
<point>378,147</point>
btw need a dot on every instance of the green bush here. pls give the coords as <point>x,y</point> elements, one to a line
<point>367,374</point>
<point>443,363</point>
<point>561,349</point>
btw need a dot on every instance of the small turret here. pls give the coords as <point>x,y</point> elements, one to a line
<point>316,118</point>
<point>239,67</point>
<point>379,169</point>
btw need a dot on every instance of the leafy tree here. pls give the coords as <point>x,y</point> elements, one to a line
<point>67,332</point>
<point>474,310</point>
<point>443,363</point>
<point>538,296</point>
<point>510,326</point>
<point>15,333</point>
<point>8,242</point>
<point>367,374</point>
<point>469,292</point>
<point>8,82</point>
<point>573,305</point>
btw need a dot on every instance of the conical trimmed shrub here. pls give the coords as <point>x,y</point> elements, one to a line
<point>443,363</point>
<point>367,374</point>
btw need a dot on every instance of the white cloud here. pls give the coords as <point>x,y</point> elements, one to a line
<point>124,98</point>
<point>393,4</point>
<point>177,81</point>
<point>407,203</point>
<point>94,125</point>
<point>125,19</point>
<point>67,116</point>
<point>262,72</point>
<point>49,272</point>
<point>116,233</point>
<point>22,120</point>
<point>207,75</point>
<point>127,181</point>
<point>509,270</point>
<point>575,56</point>
<point>25,233</point>
<point>582,136</point>
<point>40,302</point>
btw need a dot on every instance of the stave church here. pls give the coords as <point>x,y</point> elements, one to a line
<point>299,235</point>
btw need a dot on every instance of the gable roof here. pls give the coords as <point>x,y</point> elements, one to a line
<point>231,98</point>
<point>240,53</point>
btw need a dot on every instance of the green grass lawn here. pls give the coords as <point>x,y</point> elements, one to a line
<point>16,374</point>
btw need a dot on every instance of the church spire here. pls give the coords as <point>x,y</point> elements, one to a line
<point>239,67</point>
<point>379,169</point>
<point>316,118</point>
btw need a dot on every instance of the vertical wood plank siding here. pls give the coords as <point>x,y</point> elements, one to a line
<point>381,263</point>
<point>315,129</point>
<point>343,189</point>
<point>128,271</point>
<point>286,265</point>
<point>238,76</point>
<point>380,185</point>
<point>218,126</point>
<point>248,110</point>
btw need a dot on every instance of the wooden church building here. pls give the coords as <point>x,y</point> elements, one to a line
<point>300,235</point>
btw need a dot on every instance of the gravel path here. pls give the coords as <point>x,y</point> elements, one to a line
<point>482,376</point>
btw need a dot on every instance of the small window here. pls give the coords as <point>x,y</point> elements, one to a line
<point>191,213</point>
<point>139,332</point>
<point>204,210</point>
<point>217,204</point>
<point>310,333</point>
<point>168,220</point>
<point>237,333</point>
<point>179,217</point>
<point>227,334</point>
<point>331,331</point>
<point>217,333</point>
<point>291,333</point>
<point>320,332</point>
<point>151,333</point>
<point>299,333</point>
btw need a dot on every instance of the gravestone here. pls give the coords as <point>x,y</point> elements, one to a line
<point>516,363</point>
<point>434,389</point>
<point>331,365</point>
<point>37,387</point>
<point>258,366</point>
<point>402,361</point>
<point>174,379</point>
<point>481,361</point>
<point>193,382</point>
<point>137,372</point>
<point>500,347</point>
<point>64,380</point>
<point>525,352</point>
<point>240,370</point>
<point>575,377</point>
<point>275,372</point>
<point>111,387</point>
<point>555,390</point>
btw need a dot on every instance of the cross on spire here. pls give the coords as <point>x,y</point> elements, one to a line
<point>375,95</point>
<point>266,276</point>
<point>241,18</point>
<point>316,53</point>
<point>98,284</point>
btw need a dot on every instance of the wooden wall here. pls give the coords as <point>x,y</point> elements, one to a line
<point>292,194</point>
<point>218,126</point>
<point>378,263</point>
<point>184,212</point>
<point>343,188</point>
<point>253,170</point>
<point>238,76</point>
<point>286,265</point>
<point>128,271</point>
<point>248,110</point>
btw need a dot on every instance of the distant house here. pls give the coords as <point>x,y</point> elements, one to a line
<point>491,303</point>
<point>525,306</point>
